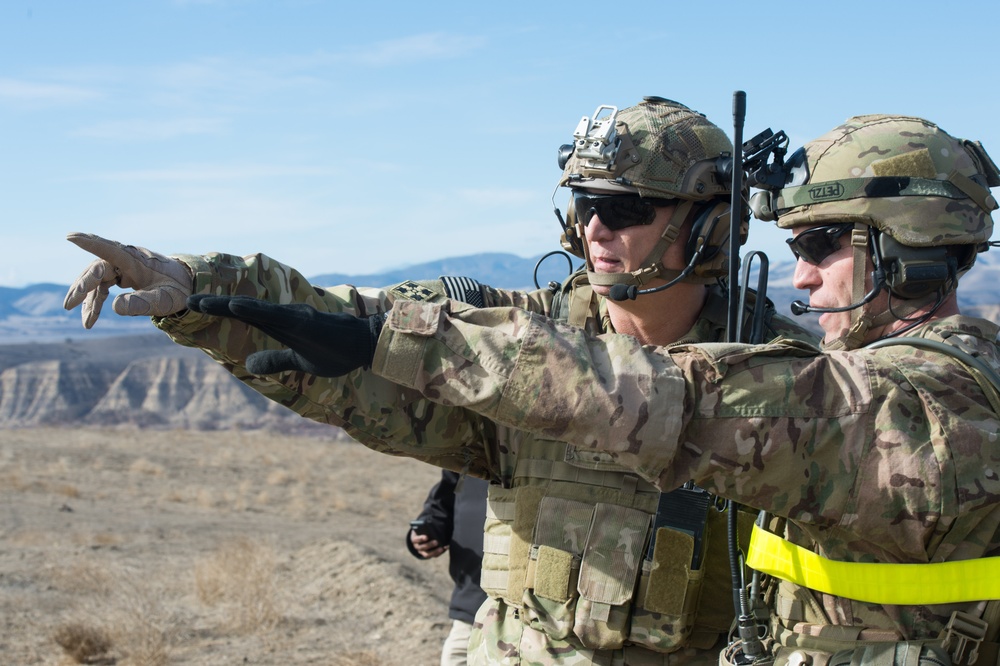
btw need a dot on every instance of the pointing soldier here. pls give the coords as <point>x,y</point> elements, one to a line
<point>586,561</point>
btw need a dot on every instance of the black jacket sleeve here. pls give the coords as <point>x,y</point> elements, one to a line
<point>455,511</point>
<point>439,511</point>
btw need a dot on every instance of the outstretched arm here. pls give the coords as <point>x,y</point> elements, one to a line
<point>529,372</point>
<point>380,414</point>
<point>778,426</point>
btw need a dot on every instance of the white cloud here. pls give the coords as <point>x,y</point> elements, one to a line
<point>43,93</point>
<point>185,3</point>
<point>208,172</point>
<point>152,130</point>
<point>427,46</point>
<point>498,196</point>
<point>220,82</point>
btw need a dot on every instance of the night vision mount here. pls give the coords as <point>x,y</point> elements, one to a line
<point>762,174</point>
<point>595,140</point>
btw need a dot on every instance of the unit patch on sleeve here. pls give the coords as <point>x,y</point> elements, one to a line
<point>411,291</point>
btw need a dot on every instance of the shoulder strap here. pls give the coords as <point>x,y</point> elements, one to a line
<point>575,302</point>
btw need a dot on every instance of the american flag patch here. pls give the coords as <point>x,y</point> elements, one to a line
<point>463,289</point>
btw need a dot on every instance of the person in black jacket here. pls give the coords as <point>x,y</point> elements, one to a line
<point>452,520</point>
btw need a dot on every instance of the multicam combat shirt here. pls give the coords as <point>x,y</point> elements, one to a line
<point>888,455</point>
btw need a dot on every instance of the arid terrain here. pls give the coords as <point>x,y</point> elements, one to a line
<point>128,546</point>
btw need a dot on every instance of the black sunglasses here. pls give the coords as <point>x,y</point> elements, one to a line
<point>814,245</point>
<point>617,211</point>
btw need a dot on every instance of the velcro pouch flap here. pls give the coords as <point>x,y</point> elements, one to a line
<point>613,555</point>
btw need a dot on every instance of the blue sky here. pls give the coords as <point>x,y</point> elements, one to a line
<point>356,137</point>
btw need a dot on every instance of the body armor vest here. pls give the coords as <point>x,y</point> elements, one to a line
<point>574,541</point>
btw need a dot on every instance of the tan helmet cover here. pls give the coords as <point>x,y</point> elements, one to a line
<point>664,149</point>
<point>660,149</point>
<point>899,174</point>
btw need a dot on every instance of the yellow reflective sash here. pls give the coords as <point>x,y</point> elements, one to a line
<point>878,583</point>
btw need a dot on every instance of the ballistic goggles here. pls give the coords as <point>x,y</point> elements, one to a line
<point>814,245</point>
<point>617,211</point>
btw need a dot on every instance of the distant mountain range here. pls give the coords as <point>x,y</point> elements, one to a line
<point>145,381</point>
<point>124,372</point>
<point>35,314</point>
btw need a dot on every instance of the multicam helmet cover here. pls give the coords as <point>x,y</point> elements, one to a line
<point>924,193</point>
<point>899,174</point>
<point>659,149</point>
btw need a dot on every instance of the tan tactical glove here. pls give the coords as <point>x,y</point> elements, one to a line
<point>161,284</point>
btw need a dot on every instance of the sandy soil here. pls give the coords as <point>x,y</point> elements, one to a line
<point>153,548</point>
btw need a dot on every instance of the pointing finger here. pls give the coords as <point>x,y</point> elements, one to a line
<point>112,251</point>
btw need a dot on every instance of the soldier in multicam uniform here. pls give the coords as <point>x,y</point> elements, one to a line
<point>650,204</point>
<point>880,452</point>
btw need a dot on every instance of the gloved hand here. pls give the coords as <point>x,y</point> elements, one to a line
<point>327,344</point>
<point>161,284</point>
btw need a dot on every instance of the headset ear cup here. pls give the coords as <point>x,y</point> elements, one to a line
<point>572,243</point>
<point>709,230</point>
<point>571,239</point>
<point>916,272</point>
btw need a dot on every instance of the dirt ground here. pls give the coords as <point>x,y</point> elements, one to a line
<point>154,548</point>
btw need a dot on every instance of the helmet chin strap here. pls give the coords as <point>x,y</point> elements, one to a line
<point>652,267</point>
<point>863,317</point>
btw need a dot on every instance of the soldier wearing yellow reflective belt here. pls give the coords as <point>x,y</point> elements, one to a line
<point>584,560</point>
<point>880,451</point>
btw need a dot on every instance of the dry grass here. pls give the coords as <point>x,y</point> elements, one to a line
<point>96,539</point>
<point>206,498</point>
<point>211,548</point>
<point>13,481</point>
<point>240,578</point>
<point>356,659</point>
<point>66,490</point>
<point>27,538</point>
<point>118,619</point>
<point>84,644</point>
<point>279,477</point>
<point>144,466</point>
<point>83,578</point>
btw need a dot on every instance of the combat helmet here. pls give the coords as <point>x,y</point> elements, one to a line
<point>658,149</point>
<point>918,197</point>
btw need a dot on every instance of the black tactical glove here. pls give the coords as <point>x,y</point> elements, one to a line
<point>319,343</point>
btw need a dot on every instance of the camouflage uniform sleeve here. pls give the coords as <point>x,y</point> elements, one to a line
<point>530,372</point>
<point>383,416</point>
<point>778,426</point>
